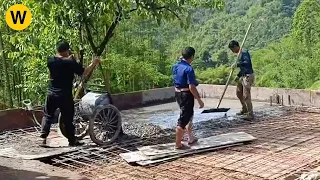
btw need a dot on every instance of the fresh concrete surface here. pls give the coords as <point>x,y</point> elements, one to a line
<point>14,169</point>
<point>166,115</point>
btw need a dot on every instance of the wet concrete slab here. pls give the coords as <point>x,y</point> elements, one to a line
<point>166,115</point>
<point>149,121</point>
<point>25,145</point>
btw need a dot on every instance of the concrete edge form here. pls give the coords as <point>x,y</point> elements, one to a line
<point>282,96</point>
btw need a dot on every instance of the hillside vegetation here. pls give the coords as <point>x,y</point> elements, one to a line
<point>140,50</point>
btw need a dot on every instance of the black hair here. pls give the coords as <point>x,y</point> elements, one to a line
<point>233,44</point>
<point>63,46</point>
<point>188,52</point>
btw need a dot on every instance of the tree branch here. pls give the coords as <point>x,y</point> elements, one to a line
<point>89,36</point>
<point>158,8</point>
<point>173,13</point>
<point>109,33</point>
<point>88,31</point>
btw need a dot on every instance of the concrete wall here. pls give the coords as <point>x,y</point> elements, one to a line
<point>294,97</point>
<point>18,118</point>
<point>143,98</point>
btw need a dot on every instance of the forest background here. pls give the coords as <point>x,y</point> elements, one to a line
<point>139,41</point>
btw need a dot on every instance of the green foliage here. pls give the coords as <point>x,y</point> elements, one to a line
<point>214,75</point>
<point>133,62</point>
<point>211,31</point>
<point>291,63</point>
<point>306,24</point>
<point>315,86</point>
<point>140,40</point>
<point>285,65</point>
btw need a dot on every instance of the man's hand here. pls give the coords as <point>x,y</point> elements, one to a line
<point>201,104</point>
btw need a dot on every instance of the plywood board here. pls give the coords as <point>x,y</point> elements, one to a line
<point>155,161</point>
<point>213,141</point>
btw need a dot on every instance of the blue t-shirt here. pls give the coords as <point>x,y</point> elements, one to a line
<point>183,75</point>
<point>245,64</point>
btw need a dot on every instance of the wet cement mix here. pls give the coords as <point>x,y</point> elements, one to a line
<point>26,141</point>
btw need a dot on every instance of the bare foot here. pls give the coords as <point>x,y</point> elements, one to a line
<point>193,141</point>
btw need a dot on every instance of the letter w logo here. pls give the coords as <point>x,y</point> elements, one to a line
<point>18,16</point>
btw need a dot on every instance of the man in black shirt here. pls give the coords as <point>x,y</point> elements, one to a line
<point>62,68</point>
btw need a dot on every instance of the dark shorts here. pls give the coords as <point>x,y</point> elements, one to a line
<point>185,101</point>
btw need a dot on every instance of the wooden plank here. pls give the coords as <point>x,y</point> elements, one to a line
<point>213,141</point>
<point>149,162</point>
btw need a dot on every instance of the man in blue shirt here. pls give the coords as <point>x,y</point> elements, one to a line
<point>245,79</point>
<point>185,86</point>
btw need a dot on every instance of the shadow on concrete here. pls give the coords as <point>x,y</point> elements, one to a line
<point>7,173</point>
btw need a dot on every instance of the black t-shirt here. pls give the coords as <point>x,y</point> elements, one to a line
<point>62,74</point>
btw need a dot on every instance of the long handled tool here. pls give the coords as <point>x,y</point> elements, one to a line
<point>83,81</point>
<point>213,110</point>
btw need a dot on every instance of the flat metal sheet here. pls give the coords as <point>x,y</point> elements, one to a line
<point>213,141</point>
<point>135,156</point>
<point>167,150</point>
<point>155,161</point>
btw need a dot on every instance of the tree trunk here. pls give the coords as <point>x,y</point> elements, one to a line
<point>3,95</point>
<point>81,50</point>
<point>5,67</point>
<point>107,78</point>
<point>14,81</point>
<point>21,84</point>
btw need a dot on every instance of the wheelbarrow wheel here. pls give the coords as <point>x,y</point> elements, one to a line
<point>81,125</point>
<point>105,125</point>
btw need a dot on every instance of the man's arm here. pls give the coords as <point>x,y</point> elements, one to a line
<point>89,69</point>
<point>192,86</point>
<point>80,70</point>
<point>193,83</point>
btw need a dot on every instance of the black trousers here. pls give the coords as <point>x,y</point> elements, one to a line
<point>66,105</point>
<point>185,101</point>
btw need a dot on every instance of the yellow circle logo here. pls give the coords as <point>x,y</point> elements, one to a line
<point>18,17</point>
